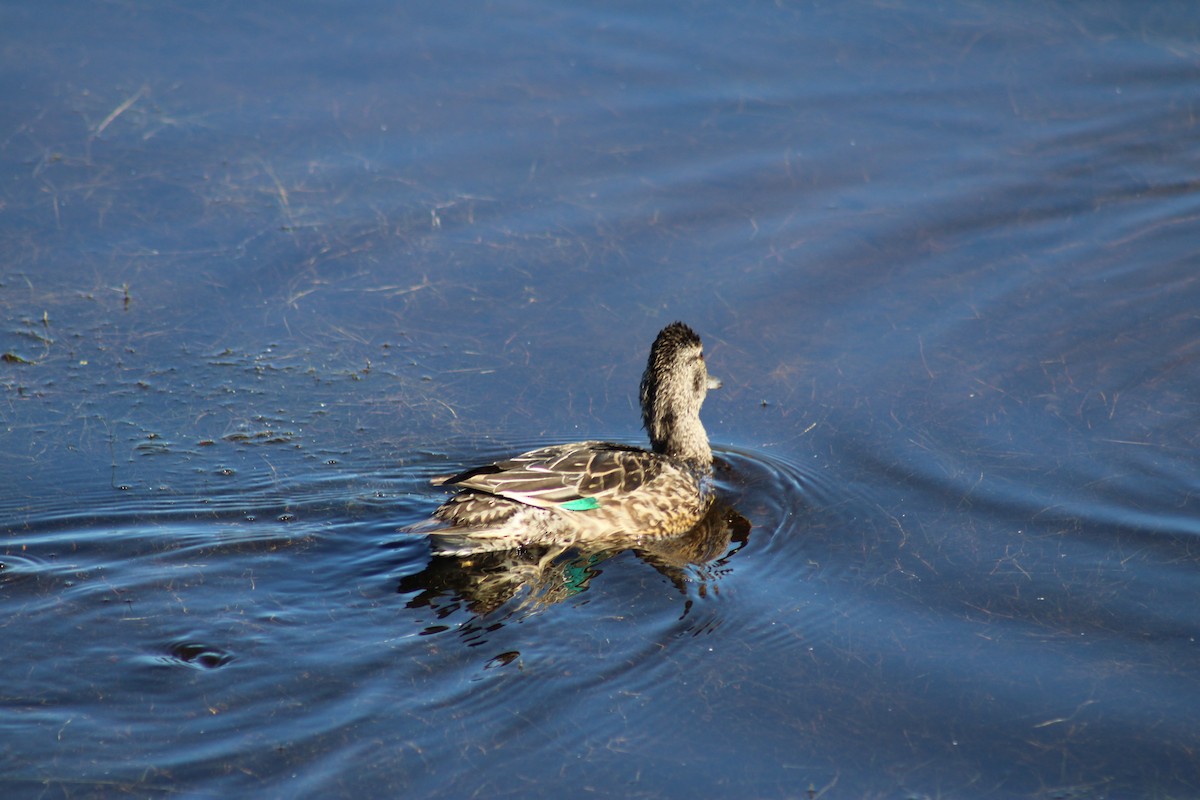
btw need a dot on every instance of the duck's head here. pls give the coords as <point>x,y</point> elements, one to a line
<point>674,385</point>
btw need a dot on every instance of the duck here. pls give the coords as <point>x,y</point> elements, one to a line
<point>596,493</point>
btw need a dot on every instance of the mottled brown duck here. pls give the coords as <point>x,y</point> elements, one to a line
<point>597,492</point>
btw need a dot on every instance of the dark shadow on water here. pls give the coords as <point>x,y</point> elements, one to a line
<point>533,578</point>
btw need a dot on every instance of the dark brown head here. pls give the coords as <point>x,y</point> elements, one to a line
<point>674,385</point>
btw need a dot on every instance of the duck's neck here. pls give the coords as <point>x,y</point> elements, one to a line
<point>687,443</point>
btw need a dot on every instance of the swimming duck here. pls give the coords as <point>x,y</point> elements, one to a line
<point>593,492</point>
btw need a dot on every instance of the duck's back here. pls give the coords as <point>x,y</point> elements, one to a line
<point>550,477</point>
<point>585,489</point>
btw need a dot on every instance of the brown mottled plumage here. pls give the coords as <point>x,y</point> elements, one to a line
<point>597,492</point>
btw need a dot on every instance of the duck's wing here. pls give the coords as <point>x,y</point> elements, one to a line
<point>578,477</point>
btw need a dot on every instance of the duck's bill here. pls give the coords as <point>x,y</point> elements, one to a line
<point>714,382</point>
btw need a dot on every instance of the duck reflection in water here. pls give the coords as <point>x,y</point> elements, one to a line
<point>536,576</point>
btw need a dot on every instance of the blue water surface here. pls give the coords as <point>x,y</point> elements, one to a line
<point>267,268</point>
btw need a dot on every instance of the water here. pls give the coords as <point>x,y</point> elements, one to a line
<point>268,268</point>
